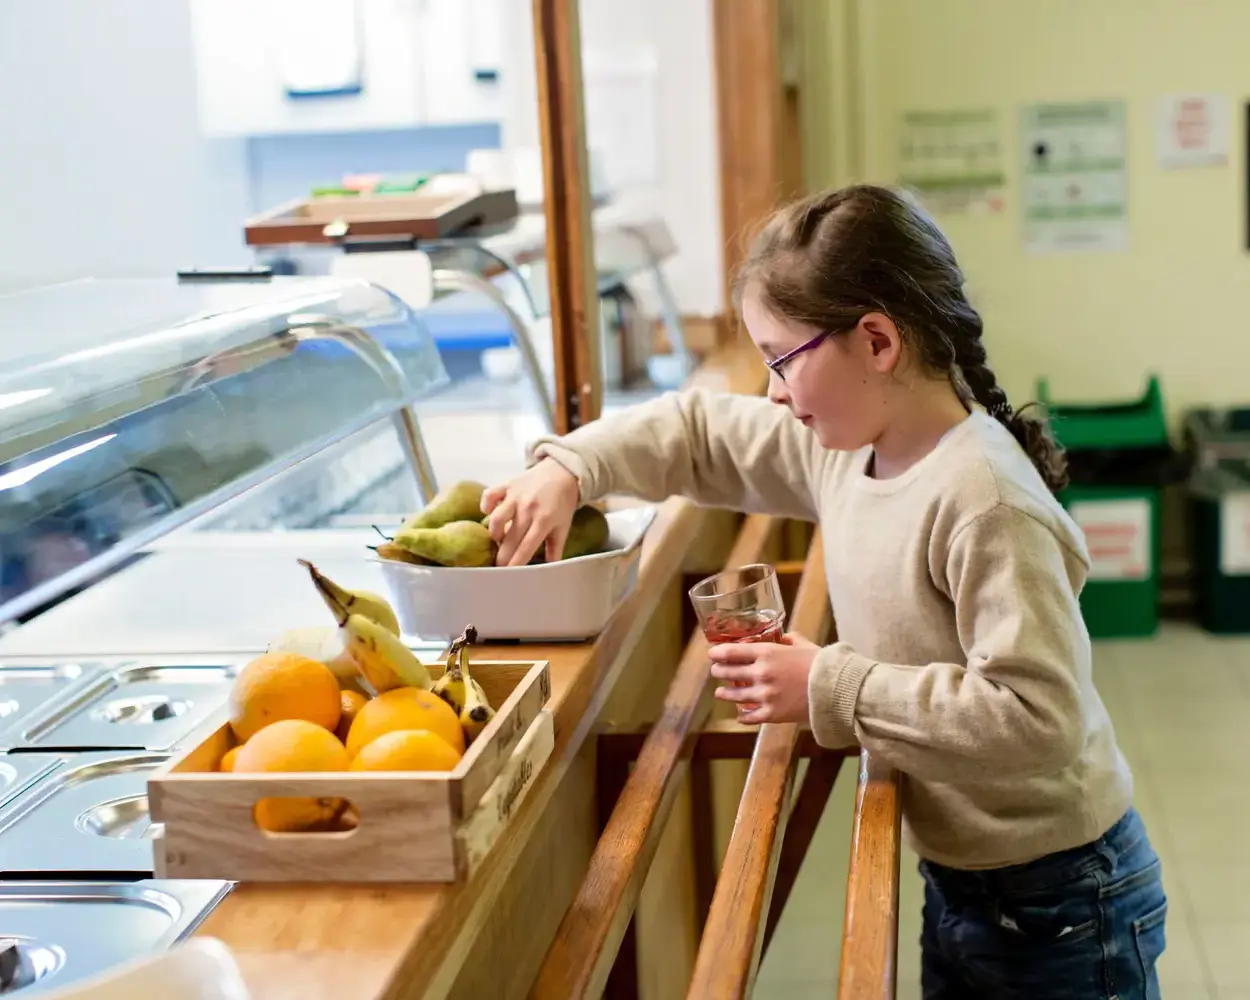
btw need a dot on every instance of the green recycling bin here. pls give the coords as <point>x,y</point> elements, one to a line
<point>1119,458</point>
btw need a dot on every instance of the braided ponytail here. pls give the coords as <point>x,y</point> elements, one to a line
<point>971,364</point>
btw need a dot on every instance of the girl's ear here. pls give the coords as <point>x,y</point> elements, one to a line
<point>880,341</point>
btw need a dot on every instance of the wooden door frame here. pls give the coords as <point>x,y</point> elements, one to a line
<point>758,122</point>
<point>573,286</point>
<point>758,139</point>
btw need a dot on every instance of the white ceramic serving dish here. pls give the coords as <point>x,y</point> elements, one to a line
<point>565,601</point>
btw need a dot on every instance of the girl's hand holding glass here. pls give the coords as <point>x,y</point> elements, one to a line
<point>770,678</point>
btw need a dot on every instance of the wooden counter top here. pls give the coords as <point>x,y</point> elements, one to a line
<point>302,942</point>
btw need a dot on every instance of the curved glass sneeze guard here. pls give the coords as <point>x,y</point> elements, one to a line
<point>128,407</point>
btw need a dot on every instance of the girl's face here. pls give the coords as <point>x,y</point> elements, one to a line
<point>840,388</point>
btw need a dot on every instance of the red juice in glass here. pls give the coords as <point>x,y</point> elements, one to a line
<point>743,626</point>
<point>740,605</point>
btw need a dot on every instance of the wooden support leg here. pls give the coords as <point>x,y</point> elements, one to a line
<point>703,841</point>
<point>809,806</point>
<point>611,774</point>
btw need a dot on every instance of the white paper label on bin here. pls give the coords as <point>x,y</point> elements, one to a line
<point>1235,534</point>
<point>1117,534</point>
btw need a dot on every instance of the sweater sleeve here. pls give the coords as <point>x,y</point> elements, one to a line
<point>720,450</point>
<point>1013,709</point>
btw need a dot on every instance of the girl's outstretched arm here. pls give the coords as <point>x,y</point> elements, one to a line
<point>1014,709</point>
<point>720,450</point>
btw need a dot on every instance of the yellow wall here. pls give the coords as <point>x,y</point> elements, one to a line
<point>1178,300</point>
<point>825,103</point>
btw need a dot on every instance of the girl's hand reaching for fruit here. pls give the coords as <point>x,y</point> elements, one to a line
<point>536,507</point>
<point>770,677</point>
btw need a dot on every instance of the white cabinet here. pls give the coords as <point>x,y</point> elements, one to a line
<point>266,67</point>
<point>460,62</point>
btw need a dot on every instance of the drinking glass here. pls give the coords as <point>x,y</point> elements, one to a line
<point>740,605</point>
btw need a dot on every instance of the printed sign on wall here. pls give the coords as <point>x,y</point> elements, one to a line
<point>1075,180</point>
<point>953,159</point>
<point>1193,130</point>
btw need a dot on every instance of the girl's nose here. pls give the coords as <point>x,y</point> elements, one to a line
<point>777,391</point>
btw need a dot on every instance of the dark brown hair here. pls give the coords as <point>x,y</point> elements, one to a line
<point>830,259</point>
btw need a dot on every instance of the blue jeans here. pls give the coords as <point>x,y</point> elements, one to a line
<point>1082,924</point>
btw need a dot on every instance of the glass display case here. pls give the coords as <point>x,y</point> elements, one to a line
<point>129,408</point>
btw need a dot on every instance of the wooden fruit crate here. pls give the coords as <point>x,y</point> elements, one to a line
<point>416,827</point>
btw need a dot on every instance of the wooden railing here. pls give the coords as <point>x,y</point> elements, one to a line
<point>593,952</point>
<point>868,970</point>
<point>738,923</point>
<point>585,948</point>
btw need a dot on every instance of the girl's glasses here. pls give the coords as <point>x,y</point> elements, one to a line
<point>777,364</point>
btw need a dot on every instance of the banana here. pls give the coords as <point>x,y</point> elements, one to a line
<point>357,602</point>
<point>476,714</point>
<point>381,658</point>
<point>451,688</point>
<point>384,661</point>
<point>464,694</point>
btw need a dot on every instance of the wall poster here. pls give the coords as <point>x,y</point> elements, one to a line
<point>1074,184</point>
<point>953,159</point>
<point>1193,130</point>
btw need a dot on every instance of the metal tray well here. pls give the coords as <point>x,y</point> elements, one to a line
<point>25,690</point>
<point>88,815</point>
<point>19,772</point>
<point>141,706</point>
<point>56,933</point>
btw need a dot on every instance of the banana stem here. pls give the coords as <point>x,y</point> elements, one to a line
<point>337,607</point>
<point>458,652</point>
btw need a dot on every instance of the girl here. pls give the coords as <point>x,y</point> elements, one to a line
<point>953,572</point>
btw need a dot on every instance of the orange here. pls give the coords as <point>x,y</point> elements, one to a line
<point>277,686</point>
<point>291,745</point>
<point>405,708</point>
<point>294,745</point>
<point>227,761</point>
<point>352,702</point>
<point>406,750</point>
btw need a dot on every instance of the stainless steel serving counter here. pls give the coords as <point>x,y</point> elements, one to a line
<point>54,933</point>
<point>222,596</point>
<point>82,741</point>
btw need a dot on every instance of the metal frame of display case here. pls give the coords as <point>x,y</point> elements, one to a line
<point>514,248</point>
<point>513,253</point>
<point>447,280</point>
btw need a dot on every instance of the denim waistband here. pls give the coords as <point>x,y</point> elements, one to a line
<point>1054,869</point>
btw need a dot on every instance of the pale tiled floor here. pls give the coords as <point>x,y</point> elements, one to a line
<point>1181,705</point>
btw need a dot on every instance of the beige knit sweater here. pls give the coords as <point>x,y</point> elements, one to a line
<point>963,659</point>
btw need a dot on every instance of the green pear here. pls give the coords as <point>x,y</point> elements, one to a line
<point>397,553</point>
<point>461,502</point>
<point>461,543</point>
<point>536,560</point>
<point>588,533</point>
